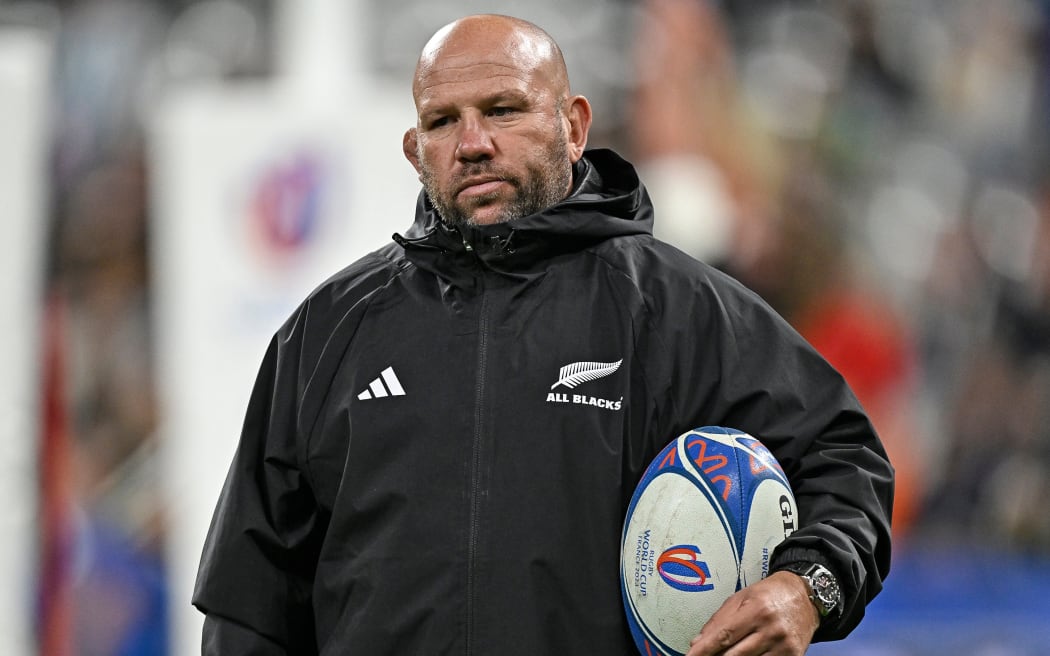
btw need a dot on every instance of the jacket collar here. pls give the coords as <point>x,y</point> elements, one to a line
<point>607,201</point>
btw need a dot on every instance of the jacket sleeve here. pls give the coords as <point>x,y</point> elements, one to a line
<point>744,367</point>
<point>223,637</point>
<point>256,572</point>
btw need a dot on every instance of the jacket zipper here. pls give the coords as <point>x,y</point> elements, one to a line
<point>476,465</point>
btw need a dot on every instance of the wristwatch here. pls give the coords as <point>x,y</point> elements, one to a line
<point>824,590</point>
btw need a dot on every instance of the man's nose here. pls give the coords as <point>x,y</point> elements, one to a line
<point>475,142</point>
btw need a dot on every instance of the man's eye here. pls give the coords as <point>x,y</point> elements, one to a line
<point>439,122</point>
<point>501,111</point>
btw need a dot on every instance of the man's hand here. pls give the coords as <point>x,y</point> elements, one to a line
<point>773,617</point>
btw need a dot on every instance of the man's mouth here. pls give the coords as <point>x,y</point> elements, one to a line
<point>481,186</point>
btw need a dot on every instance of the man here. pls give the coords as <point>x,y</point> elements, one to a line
<point>411,478</point>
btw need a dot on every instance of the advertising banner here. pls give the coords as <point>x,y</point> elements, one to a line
<point>257,199</point>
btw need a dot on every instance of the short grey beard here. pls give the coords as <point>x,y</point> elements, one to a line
<point>542,189</point>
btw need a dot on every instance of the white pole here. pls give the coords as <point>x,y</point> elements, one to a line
<point>25,56</point>
<point>321,47</point>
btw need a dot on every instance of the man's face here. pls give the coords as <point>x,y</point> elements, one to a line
<point>491,141</point>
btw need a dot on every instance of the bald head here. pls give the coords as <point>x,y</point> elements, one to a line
<point>497,131</point>
<point>504,41</point>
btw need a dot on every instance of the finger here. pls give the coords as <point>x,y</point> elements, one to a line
<point>715,639</point>
<point>752,644</point>
<point>729,623</point>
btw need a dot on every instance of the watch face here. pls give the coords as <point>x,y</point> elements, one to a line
<point>825,588</point>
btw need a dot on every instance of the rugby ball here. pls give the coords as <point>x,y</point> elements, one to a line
<point>701,525</point>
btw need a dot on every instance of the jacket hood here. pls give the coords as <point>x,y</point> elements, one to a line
<point>607,201</point>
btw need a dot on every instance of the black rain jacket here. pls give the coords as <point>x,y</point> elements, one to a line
<point>411,479</point>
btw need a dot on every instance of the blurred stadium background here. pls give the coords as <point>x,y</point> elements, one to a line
<point>176,174</point>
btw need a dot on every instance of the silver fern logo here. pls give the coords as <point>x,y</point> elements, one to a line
<point>572,375</point>
<point>576,373</point>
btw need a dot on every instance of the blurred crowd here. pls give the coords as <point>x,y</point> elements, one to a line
<point>879,170</point>
<point>885,168</point>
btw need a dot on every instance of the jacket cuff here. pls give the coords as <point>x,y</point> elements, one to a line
<point>783,558</point>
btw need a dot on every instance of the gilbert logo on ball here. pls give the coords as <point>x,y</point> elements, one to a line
<point>702,524</point>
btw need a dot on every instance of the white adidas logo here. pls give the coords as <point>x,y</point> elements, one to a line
<point>386,385</point>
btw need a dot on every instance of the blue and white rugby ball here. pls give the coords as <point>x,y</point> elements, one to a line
<point>702,524</point>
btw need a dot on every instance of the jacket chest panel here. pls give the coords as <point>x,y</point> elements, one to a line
<point>499,398</point>
<point>445,388</point>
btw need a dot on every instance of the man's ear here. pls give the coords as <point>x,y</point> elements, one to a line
<point>409,145</point>
<point>578,114</point>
